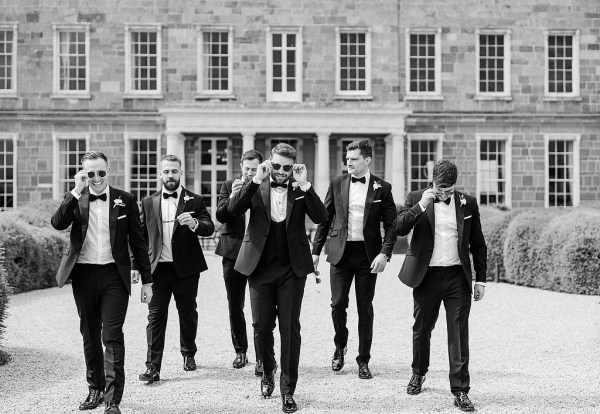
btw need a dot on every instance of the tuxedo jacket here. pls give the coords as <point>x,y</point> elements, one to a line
<point>257,199</point>
<point>232,231</point>
<point>125,233</point>
<point>418,255</point>
<point>188,258</point>
<point>379,207</point>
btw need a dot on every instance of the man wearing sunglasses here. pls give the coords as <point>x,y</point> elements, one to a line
<point>105,226</point>
<point>275,255</point>
<point>446,228</point>
<point>357,204</point>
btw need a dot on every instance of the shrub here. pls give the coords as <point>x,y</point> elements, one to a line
<point>4,296</point>
<point>38,213</point>
<point>494,223</point>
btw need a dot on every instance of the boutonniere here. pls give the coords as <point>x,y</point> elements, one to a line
<point>187,198</point>
<point>376,185</point>
<point>462,200</point>
<point>118,202</point>
<point>294,185</point>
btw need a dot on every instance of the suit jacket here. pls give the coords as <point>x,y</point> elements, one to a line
<point>125,231</point>
<point>418,255</point>
<point>233,228</point>
<point>257,199</point>
<point>379,207</point>
<point>188,258</point>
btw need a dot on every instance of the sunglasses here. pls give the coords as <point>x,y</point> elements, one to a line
<point>100,173</point>
<point>286,168</point>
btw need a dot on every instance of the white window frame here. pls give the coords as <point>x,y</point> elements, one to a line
<point>129,91</point>
<point>437,137</point>
<point>576,139</point>
<point>12,92</point>
<point>13,136</point>
<point>200,83</point>
<point>56,30</point>
<point>295,96</point>
<point>507,138</point>
<point>576,87</point>
<point>437,93</point>
<point>368,65</point>
<point>506,64</point>
<point>130,136</point>
<point>56,137</point>
<point>211,202</point>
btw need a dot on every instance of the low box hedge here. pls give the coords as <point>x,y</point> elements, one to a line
<point>5,292</point>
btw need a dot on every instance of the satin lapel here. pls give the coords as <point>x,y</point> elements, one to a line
<point>157,212</point>
<point>113,215</point>
<point>265,192</point>
<point>430,211</point>
<point>345,184</point>
<point>180,208</point>
<point>460,217</point>
<point>291,198</point>
<point>84,212</point>
<point>370,197</point>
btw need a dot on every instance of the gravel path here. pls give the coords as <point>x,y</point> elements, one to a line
<point>532,351</point>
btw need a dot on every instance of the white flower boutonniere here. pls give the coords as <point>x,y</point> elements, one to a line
<point>294,185</point>
<point>376,185</point>
<point>118,202</point>
<point>462,200</point>
<point>187,198</point>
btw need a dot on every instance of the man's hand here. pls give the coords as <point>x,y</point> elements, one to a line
<point>478,292</point>
<point>315,258</point>
<point>186,219</point>
<point>236,185</point>
<point>263,170</point>
<point>80,180</point>
<point>299,173</point>
<point>135,276</point>
<point>379,263</point>
<point>146,293</point>
<point>427,197</point>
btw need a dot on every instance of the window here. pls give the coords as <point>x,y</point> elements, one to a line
<point>71,60</point>
<point>562,63</point>
<point>562,170</point>
<point>141,165</point>
<point>143,61</point>
<point>423,57</point>
<point>284,65</point>
<point>353,73</point>
<point>68,150</point>
<point>294,142</point>
<point>8,60</point>
<point>493,63</point>
<point>424,151</point>
<point>213,168</point>
<point>342,144</point>
<point>8,165</point>
<point>493,169</point>
<point>215,62</point>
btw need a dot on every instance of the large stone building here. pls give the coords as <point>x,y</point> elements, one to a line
<point>507,89</point>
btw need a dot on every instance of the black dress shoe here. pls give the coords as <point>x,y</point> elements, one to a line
<point>112,408</point>
<point>240,360</point>
<point>151,375</point>
<point>461,400</point>
<point>414,385</point>
<point>363,371</point>
<point>94,398</point>
<point>288,404</point>
<point>267,383</point>
<point>189,364</point>
<point>258,368</point>
<point>337,362</point>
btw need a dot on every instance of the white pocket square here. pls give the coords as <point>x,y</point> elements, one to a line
<point>376,201</point>
<point>299,197</point>
<point>468,217</point>
<point>120,217</point>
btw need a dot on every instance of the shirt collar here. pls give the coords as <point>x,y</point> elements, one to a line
<point>97,194</point>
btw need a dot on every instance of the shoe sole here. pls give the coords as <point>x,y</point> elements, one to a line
<point>464,409</point>
<point>289,411</point>
<point>149,381</point>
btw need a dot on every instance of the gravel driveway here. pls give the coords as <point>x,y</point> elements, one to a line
<point>532,351</point>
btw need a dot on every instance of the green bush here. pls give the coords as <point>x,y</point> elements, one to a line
<point>494,223</point>
<point>38,213</point>
<point>5,292</point>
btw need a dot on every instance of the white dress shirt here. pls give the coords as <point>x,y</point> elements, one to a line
<point>96,246</point>
<point>445,244</point>
<point>168,209</point>
<point>278,203</point>
<point>357,198</point>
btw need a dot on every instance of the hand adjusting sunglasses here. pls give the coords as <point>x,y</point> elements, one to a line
<point>100,173</point>
<point>286,168</point>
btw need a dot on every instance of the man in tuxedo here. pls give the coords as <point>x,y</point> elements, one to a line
<point>275,254</point>
<point>228,247</point>
<point>105,225</point>
<point>446,227</point>
<point>356,203</point>
<point>172,219</point>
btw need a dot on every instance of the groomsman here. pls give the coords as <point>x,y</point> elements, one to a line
<point>275,254</point>
<point>357,204</point>
<point>105,226</point>
<point>172,219</point>
<point>228,247</point>
<point>446,227</point>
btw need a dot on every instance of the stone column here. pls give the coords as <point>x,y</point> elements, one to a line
<point>176,146</point>
<point>395,165</point>
<point>321,177</point>
<point>248,141</point>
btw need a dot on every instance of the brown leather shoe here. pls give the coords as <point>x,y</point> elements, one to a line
<point>93,400</point>
<point>189,364</point>
<point>414,385</point>
<point>461,400</point>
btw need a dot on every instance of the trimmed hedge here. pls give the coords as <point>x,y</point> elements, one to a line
<point>5,292</point>
<point>494,223</point>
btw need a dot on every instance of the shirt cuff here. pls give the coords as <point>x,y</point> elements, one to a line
<point>196,226</point>
<point>255,181</point>
<point>77,196</point>
<point>422,208</point>
<point>480,283</point>
<point>306,187</point>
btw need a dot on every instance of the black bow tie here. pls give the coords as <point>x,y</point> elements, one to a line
<point>447,201</point>
<point>94,197</point>
<point>275,185</point>
<point>359,180</point>
<point>168,195</point>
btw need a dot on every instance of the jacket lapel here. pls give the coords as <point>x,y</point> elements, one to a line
<point>157,211</point>
<point>113,215</point>
<point>370,197</point>
<point>345,183</point>
<point>460,217</point>
<point>180,208</point>
<point>265,192</point>
<point>84,212</point>
<point>291,198</point>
